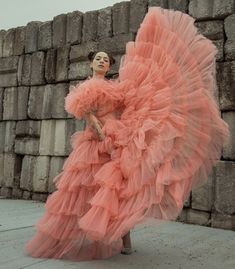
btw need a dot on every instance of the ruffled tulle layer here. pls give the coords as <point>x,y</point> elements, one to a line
<point>166,142</point>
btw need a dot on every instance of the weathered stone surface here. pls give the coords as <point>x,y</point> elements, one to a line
<point>55,137</point>
<point>50,65</point>
<point>225,187</point>
<point>62,64</point>
<point>198,217</point>
<point>59,92</point>
<point>45,36</point>
<point>19,69</point>
<point>8,71</point>
<point>115,44</point>
<point>38,68</point>
<point>187,202</point>
<point>220,46</point>
<point>229,26</point>
<point>26,195</point>
<point>35,104</point>
<point>15,103</point>
<point>226,84</point>
<point>12,168</point>
<point>27,145</point>
<point>26,70</point>
<point>41,174</point>
<point>208,9</point>
<point>56,166</point>
<point>8,44</point>
<point>104,22</point>
<point>158,3</point>
<point>7,136</point>
<point>181,5</point>
<point>31,36</point>
<point>223,221</point>
<point>59,30</point>
<point>138,9</point>
<point>1,102</point>
<point>2,36</point>
<point>6,192</point>
<point>19,41</point>
<point>17,193</point>
<point>1,168</point>
<point>27,172</point>
<point>120,17</point>
<point>74,27</point>
<point>42,197</point>
<point>80,52</point>
<point>28,128</point>
<point>229,50</point>
<point>211,29</point>
<point>90,22</point>
<point>80,70</point>
<point>203,197</point>
<point>229,150</point>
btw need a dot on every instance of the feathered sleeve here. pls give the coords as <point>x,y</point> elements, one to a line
<point>89,96</point>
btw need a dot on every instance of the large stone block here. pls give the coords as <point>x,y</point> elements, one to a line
<point>12,168</point>
<point>90,22</point>
<point>19,41</point>
<point>138,9</point>
<point>56,166</point>
<point>6,192</point>
<point>80,52</point>
<point>158,3</point>
<point>116,44</point>
<point>41,174</point>
<point>226,83</point>
<point>38,68</point>
<point>55,137</point>
<point>203,197</point>
<point>17,193</point>
<point>62,64</point>
<point>104,22</point>
<point>1,169</point>
<point>7,136</point>
<point>74,27</point>
<point>28,128</point>
<point>220,46</point>
<point>198,217</point>
<point>45,36</point>
<point>209,9</point>
<point>120,17</point>
<point>50,65</point>
<point>229,150</point>
<point>79,70</point>
<point>26,70</point>
<point>31,36</point>
<point>27,173</point>
<point>42,197</point>
<point>229,50</point>
<point>19,69</point>
<point>27,145</point>
<point>211,29</point>
<point>59,30</point>
<point>2,36</point>
<point>15,103</point>
<point>35,104</point>
<point>181,5</point>
<point>225,187</point>
<point>229,26</point>
<point>8,45</point>
<point>223,221</point>
<point>8,71</point>
<point>59,92</point>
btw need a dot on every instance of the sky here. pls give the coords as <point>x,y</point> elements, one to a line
<point>14,13</point>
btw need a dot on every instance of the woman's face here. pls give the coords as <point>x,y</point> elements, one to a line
<point>100,63</point>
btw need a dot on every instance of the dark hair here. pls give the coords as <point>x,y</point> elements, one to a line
<point>91,56</point>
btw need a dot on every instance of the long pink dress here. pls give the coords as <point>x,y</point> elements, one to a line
<point>163,134</point>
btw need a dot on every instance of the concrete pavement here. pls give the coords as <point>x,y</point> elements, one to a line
<point>171,245</point>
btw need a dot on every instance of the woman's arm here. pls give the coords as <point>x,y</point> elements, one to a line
<point>96,123</point>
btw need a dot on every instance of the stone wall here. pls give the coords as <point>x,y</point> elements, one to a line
<point>39,61</point>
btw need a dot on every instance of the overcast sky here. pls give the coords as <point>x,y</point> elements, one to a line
<point>15,13</point>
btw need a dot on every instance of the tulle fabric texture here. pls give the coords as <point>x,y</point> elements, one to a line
<point>165,143</point>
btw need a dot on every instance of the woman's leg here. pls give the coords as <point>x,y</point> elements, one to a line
<point>126,244</point>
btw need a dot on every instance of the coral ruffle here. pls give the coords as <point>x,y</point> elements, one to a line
<point>163,145</point>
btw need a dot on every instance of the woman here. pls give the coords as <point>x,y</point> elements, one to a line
<point>165,141</point>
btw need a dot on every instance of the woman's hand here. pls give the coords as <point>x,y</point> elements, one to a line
<point>97,125</point>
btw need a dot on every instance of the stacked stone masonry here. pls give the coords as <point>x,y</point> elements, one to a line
<point>38,63</point>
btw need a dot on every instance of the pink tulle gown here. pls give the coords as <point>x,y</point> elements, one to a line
<point>163,134</point>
